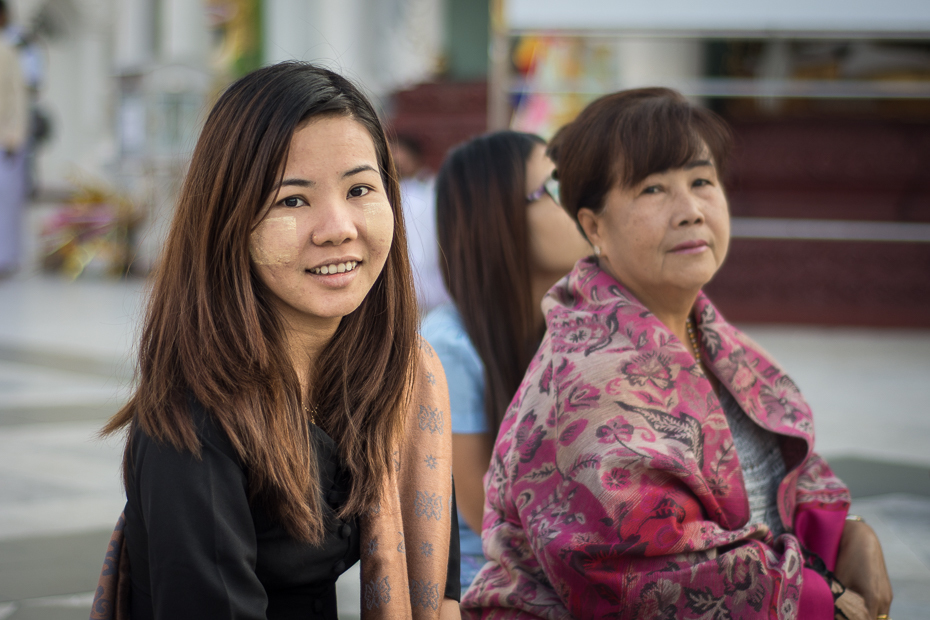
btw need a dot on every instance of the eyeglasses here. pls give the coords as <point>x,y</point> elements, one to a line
<point>550,186</point>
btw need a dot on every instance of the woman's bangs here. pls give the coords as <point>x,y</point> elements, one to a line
<point>653,145</point>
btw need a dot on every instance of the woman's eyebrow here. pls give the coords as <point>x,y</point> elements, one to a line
<point>357,170</point>
<point>697,163</point>
<point>296,182</point>
<point>308,183</point>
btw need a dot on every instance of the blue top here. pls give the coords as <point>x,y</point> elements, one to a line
<point>444,330</point>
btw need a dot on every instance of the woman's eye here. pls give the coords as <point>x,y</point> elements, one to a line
<point>652,189</point>
<point>700,182</point>
<point>358,191</point>
<point>292,201</point>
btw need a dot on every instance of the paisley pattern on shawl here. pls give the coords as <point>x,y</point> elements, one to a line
<point>615,490</point>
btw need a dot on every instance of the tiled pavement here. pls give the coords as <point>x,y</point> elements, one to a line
<point>65,367</point>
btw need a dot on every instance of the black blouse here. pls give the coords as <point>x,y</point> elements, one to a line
<point>199,549</point>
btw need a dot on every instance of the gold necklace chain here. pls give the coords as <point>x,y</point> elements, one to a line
<point>311,413</point>
<point>692,336</point>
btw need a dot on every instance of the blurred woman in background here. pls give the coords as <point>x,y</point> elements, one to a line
<point>288,421</point>
<point>504,241</point>
<point>656,462</point>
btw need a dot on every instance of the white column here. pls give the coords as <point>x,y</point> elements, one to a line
<point>184,33</point>
<point>380,44</point>
<point>133,34</point>
<point>292,30</point>
<point>78,93</point>
<point>336,35</point>
<point>406,39</point>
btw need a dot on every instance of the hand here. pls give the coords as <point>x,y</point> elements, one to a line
<point>860,566</point>
<point>853,606</point>
<point>450,610</point>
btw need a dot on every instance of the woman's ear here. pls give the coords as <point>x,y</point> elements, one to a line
<point>588,221</point>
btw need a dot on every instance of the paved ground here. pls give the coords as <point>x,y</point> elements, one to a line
<point>65,367</point>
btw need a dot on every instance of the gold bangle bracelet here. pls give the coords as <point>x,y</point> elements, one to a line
<point>882,617</point>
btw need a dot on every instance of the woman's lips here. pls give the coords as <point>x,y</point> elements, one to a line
<point>690,247</point>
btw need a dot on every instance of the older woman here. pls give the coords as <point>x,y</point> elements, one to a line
<point>655,462</point>
<point>288,421</point>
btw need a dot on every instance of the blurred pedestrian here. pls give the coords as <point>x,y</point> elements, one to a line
<point>504,242</point>
<point>14,127</point>
<point>288,421</point>
<point>417,192</point>
<point>32,63</point>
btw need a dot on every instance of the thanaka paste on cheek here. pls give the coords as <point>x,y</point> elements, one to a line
<point>274,241</point>
<point>379,223</point>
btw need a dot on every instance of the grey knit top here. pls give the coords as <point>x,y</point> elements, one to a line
<point>762,462</point>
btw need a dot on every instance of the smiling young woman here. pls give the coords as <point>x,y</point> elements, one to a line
<point>287,421</point>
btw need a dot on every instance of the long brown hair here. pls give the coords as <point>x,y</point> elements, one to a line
<point>626,136</point>
<point>484,246</point>
<point>211,331</point>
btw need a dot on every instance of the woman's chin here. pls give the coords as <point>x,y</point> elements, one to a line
<point>696,275</point>
<point>322,311</point>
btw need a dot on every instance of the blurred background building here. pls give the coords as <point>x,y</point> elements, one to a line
<point>829,101</point>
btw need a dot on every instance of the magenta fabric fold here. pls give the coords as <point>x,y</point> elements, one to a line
<point>824,529</point>
<point>816,599</point>
<point>615,489</point>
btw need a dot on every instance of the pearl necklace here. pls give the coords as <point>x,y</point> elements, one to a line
<point>692,335</point>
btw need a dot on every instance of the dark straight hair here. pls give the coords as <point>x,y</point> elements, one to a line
<point>624,137</point>
<point>484,248</point>
<point>212,332</point>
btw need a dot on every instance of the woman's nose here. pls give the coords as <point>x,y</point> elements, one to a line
<point>688,209</point>
<point>334,224</point>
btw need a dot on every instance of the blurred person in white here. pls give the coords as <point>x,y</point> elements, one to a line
<point>417,191</point>
<point>13,133</point>
<point>32,64</point>
<point>504,242</point>
<point>30,54</point>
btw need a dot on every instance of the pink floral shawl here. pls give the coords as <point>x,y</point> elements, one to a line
<point>615,490</point>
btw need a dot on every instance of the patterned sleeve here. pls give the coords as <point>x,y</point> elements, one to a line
<point>427,487</point>
<point>463,368</point>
